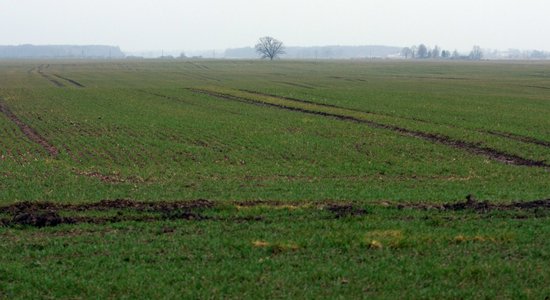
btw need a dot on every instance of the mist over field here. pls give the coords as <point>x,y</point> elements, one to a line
<point>207,28</point>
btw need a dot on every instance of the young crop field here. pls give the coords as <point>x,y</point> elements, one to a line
<point>284,179</point>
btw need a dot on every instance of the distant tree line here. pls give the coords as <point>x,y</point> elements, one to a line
<point>60,51</point>
<point>424,52</point>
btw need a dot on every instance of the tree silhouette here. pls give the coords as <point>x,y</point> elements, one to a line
<point>269,47</point>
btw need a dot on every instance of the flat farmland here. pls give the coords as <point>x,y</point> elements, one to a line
<point>247,179</point>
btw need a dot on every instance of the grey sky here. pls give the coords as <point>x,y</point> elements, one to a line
<point>216,24</point>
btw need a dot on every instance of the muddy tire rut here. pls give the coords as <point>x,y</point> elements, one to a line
<point>28,131</point>
<point>73,82</point>
<point>470,147</point>
<point>510,136</point>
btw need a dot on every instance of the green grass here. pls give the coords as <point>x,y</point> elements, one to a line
<point>143,130</point>
<point>290,253</point>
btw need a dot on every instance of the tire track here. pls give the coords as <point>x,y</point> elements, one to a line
<point>48,77</point>
<point>511,136</point>
<point>304,86</point>
<point>28,131</point>
<point>74,82</point>
<point>496,155</point>
<point>519,138</point>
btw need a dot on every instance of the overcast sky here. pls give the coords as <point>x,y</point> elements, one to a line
<point>136,25</point>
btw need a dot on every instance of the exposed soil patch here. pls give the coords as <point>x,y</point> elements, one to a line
<point>105,205</point>
<point>31,134</point>
<point>345,210</point>
<point>39,219</point>
<point>478,206</point>
<point>43,214</point>
<point>74,82</point>
<point>471,147</point>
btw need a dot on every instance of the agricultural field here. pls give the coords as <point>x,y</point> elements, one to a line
<point>285,179</point>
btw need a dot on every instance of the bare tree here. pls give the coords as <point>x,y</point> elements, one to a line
<point>476,53</point>
<point>269,47</point>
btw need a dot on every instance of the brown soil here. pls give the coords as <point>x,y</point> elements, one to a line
<point>106,205</point>
<point>345,210</point>
<point>473,148</point>
<point>43,214</point>
<point>261,203</point>
<point>479,206</point>
<point>32,134</point>
<point>39,219</point>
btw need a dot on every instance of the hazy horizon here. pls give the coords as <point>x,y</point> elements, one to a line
<point>173,25</point>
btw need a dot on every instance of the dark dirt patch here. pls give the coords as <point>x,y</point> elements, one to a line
<point>470,147</point>
<point>478,206</point>
<point>28,131</point>
<point>74,82</point>
<point>40,219</point>
<point>43,214</point>
<point>345,210</point>
<point>105,205</point>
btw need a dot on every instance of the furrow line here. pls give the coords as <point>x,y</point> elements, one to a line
<point>47,77</point>
<point>28,131</point>
<point>511,136</point>
<point>470,147</point>
<point>74,82</point>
